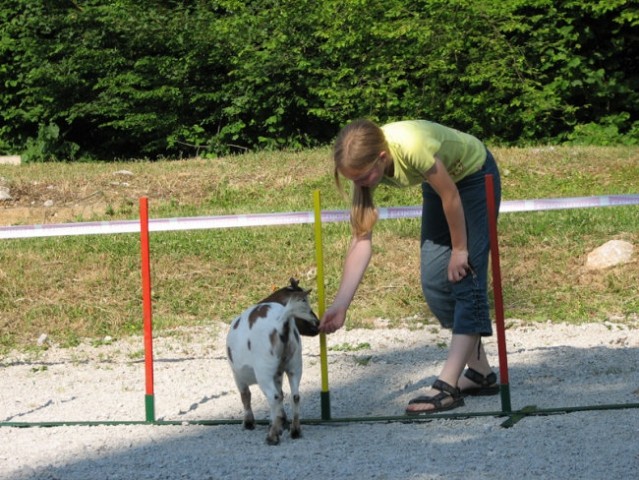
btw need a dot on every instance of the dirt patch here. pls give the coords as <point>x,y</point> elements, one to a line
<point>59,201</point>
<point>44,215</point>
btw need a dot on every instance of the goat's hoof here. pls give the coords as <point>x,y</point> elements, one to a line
<point>273,440</point>
<point>248,425</point>
<point>296,433</point>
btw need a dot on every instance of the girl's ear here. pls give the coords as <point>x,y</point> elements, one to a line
<point>388,162</point>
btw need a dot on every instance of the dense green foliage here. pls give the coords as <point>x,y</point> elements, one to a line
<point>124,78</point>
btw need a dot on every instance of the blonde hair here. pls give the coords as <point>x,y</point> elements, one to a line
<point>357,148</point>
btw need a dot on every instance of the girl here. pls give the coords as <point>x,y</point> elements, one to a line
<point>450,166</point>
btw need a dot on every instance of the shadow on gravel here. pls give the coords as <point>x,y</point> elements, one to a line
<point>370,383</point>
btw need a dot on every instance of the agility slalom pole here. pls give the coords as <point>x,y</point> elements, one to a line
<point>321,300</point>
<point>504,387</point>
<point>149,398</point>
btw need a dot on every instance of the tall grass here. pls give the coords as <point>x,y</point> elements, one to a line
<point>75,287</point>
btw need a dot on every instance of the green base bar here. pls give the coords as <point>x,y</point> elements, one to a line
<point>529,411</point>
<point>515,417</point>
<point>149,403</point>
<point>325,398</point>
<point>504,390</point>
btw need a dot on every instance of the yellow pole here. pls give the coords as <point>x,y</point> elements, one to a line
<point>321,299</point>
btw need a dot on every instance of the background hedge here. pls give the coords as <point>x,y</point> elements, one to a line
<point>128,78</point>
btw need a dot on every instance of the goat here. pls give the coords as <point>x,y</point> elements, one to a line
<point>262,344</point>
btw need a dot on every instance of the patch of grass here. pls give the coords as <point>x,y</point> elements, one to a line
<point>137,355</point>
<point>76,287</point>
<point>347,347</point>
<point>543,256</point>
<point>363,361</point>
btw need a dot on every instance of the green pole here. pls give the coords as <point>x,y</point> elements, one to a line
<point>149,407</point>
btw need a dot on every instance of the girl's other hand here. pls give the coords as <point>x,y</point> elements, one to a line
<point>458,266</point>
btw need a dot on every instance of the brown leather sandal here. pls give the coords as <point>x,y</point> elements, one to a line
<point>445,391</point>
<point>487,384</point>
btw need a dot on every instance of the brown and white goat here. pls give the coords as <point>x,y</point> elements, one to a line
<point>263,343</point>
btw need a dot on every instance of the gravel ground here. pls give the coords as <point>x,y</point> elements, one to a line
<point>372,374</point>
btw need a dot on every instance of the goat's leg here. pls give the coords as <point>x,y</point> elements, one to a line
<point>278,384</point>
<point>294,378</point>
<point>249,420</point>
<point>274,398</point>
<point>275,429</point>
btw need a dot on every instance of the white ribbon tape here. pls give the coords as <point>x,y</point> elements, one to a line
<point>262,219</point>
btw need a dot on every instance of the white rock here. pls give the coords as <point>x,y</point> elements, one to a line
<point>10,160</point>
<point>4,193</point>
<point>42,339</point>
<point>123,172</point>
<point>611,253</point>
<point>48,203</point>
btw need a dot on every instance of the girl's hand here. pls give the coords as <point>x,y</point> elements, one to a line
<point>458,266</point>
<point>333,319</point>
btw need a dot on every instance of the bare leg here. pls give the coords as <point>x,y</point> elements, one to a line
<point>460,354</point>
<point>478,362</point>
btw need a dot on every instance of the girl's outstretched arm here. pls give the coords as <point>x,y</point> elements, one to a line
<point>357,259</point>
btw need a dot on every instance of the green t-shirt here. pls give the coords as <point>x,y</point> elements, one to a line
<point>415,143</point>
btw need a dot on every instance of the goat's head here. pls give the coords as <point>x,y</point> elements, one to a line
<point>306,320</point>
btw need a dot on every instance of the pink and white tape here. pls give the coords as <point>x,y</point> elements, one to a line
<point>288,218</point>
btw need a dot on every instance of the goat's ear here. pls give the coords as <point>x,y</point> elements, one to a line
<point>308,291</point>
<point>294,282</point>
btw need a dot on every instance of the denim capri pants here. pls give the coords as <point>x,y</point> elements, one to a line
<point>461,306</point>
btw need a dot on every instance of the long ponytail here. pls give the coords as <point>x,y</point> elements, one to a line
<point>357,147</point>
